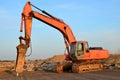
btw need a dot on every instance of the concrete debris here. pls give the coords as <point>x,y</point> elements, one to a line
<point>46,64</point>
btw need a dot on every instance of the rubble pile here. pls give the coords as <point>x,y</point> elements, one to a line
<point>113,59</point>
<point>46,64</point>
<point>113,62</point>
<point>35,65</point>
<point>49,64</point>
<point>7,65</point>
<point>57,58</point>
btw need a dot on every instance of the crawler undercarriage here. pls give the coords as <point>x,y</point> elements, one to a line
<point>79,67</point>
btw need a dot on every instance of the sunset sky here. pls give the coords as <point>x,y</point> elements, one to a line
<point>95,21</point>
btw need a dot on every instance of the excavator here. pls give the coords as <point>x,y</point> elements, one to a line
<point>83,57</point>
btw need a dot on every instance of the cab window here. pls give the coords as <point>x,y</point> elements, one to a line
<point>80,49</point>
<point>87,47</point>
<point>72,50</point>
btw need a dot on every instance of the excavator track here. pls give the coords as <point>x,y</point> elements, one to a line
<point>66,67</point>
<point>79,67</point>
<point>88,67</point>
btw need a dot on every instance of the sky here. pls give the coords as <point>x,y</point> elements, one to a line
<point>95,21</point>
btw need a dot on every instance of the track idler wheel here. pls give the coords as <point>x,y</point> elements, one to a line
<point>75,68</point>
<point>59,68</point>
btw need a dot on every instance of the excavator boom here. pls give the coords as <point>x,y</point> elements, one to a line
<point>54,22</point>
<point>26,23</point>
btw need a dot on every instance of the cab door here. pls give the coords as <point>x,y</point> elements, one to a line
<point>79,51</point>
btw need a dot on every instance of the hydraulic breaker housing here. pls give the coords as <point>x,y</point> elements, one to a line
<point>20,61</point>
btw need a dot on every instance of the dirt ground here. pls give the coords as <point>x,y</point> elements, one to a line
<point>7,72</point>
<point>41,75</point>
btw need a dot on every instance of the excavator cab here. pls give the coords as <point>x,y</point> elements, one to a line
<point>78,49</point>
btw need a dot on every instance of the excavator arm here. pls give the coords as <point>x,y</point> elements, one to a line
<point>26,23</point>
<point>54,22</point>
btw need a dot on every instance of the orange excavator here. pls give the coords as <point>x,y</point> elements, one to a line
<point>82,57</point>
